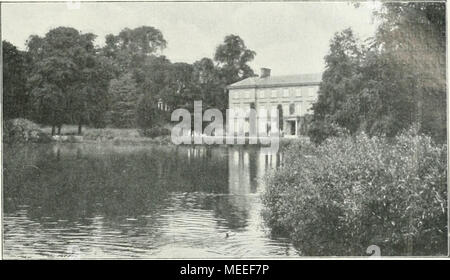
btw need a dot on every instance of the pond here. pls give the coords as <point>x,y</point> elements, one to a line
<point>106,201</point>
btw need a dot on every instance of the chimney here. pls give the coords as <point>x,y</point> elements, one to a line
<point>265,72</point>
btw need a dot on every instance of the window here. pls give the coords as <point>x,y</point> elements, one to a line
<point>274,93</point>
<point>285,108</point>
<point>291,109</point>
<point>298,92</point>
<point>285,92</point>
<point>312,91</point>
<point>298,108</point>
<point>304,91</point>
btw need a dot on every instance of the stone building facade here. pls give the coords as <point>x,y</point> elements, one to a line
<point>293,94</point>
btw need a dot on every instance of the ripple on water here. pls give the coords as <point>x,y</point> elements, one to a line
<point>165,210</point>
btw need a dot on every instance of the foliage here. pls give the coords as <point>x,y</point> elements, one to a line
<point>67,79</point>
<point>179,90</point>
<point>321,130</point>
<point>233,57</point>
<point>15,96</point>
<point>393,80</point>
<point>63,78</point>
<point>154,132</point>
<point>106,134</point>
<point>210,86</point>
<point>148,114</point>
<point>123,98</point>
<point>23,130</point>
<point>130,48</point>
<point>349,193</point>
<point>340,84</point>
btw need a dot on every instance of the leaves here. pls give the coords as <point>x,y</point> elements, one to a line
<point>357,190</point>
<point>394,80</point>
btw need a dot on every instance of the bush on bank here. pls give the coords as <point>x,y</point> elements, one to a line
<point>348,193</point>
<point>23,131</point>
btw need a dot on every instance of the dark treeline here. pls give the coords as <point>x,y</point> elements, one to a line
<point>385,84</point>
<point>63,78</point>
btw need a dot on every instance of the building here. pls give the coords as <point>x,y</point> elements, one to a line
<point>293,94</point>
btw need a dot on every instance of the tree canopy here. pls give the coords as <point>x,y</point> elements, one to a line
<point>66,76</point>
<point>395,79</point>
<point>15,95</point>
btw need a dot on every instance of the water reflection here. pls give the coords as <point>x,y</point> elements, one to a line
<point>124,201</point>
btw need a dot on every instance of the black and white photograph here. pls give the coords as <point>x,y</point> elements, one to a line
<point>224,130</point>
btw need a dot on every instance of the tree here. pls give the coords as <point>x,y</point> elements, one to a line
<point>131,46</point>
<point>148,113</point>
<point>396,81</point>
<point>179,90</point>
<point>339,90</point>
<point>64,76</point>
<point>411,42</point>
<point>233,57</point>
<point>210,86</point>
<point>15,95</point>
<point>124,98</point>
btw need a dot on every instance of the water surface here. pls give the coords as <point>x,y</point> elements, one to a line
<point>93,200</point>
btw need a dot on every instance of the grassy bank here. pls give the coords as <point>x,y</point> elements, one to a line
<point>133,135</point>
<point>349,193</point>
<point>110,135</point>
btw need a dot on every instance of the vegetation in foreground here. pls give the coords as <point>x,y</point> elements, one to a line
<point>23,131</point>
<point>348,193</point>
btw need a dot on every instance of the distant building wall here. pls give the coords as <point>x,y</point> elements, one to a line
<point>296,102</point>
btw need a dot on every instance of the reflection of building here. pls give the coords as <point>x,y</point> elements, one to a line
<point>162,106</point>
<point>246,167</point>
<point>293,94</point>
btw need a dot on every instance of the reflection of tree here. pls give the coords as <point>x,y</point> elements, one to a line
<point>84,181</point>
<point>82,186</point>
<point>80,183</point>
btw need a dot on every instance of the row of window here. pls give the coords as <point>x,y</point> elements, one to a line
<point>288,109</point>
<point>274,93</point>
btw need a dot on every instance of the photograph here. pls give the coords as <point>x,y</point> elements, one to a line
<point>224,130</point>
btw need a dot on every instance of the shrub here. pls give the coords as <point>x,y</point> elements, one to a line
<point>349,193</point>
<point>23,130</point>
<point>154,132</point>
<point>318,131</point>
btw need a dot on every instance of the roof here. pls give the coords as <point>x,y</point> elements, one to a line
<point>278,81</point>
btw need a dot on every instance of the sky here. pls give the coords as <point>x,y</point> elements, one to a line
<point>288,37</point>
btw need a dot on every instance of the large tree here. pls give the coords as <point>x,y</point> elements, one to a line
<point>136,51</point>
<point>409,47</point>
<point>15,96</point>
<point>131,47</point>
<point>341,83</point>
<point>210,86</point>
<point>233,57</point>
<point>66,77</point>
<point>179,90</point>
<point>397,80</point>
